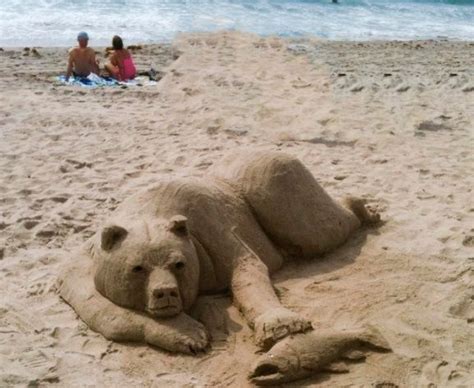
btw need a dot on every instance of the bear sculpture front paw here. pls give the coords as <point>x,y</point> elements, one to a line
<point>182,334</point>
<point>276,324</point>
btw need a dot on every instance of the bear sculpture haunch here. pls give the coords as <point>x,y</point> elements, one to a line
<point>143,270</point>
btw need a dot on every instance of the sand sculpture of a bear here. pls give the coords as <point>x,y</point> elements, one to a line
<point>137,278</point>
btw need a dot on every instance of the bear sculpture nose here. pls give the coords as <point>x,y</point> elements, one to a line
<point>165,293</point>
<point>164,297</point>
<point>164,301</point>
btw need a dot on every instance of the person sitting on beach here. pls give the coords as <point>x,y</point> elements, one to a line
<point>121,65</point>
<point>82,59</point>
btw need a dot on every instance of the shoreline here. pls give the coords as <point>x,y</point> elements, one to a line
<point>290,38</point>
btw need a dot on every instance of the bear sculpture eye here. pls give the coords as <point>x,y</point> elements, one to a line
<point>179,265</point>
<point>138,269</point>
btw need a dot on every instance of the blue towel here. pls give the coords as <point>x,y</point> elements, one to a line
<point>94,81</point>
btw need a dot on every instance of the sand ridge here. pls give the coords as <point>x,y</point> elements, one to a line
<point>69,156</point>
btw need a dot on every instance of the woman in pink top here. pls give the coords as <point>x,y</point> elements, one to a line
<point>121,65</point>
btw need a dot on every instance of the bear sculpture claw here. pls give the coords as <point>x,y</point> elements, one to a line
<point>276,324</point>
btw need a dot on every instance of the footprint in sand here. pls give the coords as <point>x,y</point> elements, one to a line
<point>464,308</point>
<point>38,289</point>
<point>221,82</point>
<point>30,224</point>
<point>238,84</point>
<point>47,232</point>
<point>78,165</point>
<point>432,126</point>
<point>385,384</point>
<point>213,129</point>
<point>443,373</point>
<point>403,88</point>
<point>468,89</point>
<point>41,367</point>
<point>59,199</point>
<point>191,92</point>
<point>468,241</point>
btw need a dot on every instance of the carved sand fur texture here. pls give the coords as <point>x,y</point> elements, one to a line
<point>139,276</point>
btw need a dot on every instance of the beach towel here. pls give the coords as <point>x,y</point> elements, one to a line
<point>93,81</point>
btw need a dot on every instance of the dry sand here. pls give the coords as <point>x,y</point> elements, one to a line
<point>392,122</point>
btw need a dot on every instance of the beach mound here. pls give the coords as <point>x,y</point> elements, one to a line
<point>389,121</point>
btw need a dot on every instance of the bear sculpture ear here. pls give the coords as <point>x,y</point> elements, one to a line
<point>178,225</point>
<point>111,236</point>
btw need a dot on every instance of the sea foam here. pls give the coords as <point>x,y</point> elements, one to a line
<point>56,22</point>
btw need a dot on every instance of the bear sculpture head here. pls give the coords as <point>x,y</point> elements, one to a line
<point>149,266</point>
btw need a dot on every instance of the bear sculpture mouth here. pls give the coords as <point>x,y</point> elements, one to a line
<point>164,312</point>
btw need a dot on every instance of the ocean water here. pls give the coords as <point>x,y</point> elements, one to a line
<point>56,22</point>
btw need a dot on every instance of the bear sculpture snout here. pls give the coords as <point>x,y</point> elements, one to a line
<point>165,301</point>
<point>165,296</point>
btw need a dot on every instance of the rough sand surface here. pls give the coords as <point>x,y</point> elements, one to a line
<point>389,121</point>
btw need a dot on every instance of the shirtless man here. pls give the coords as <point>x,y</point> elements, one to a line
<point>82,60</point>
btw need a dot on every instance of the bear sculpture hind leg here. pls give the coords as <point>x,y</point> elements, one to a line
<point>293,209</point>
<point>298,216</point>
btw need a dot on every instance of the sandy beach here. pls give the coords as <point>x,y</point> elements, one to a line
<point>391,122</point>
